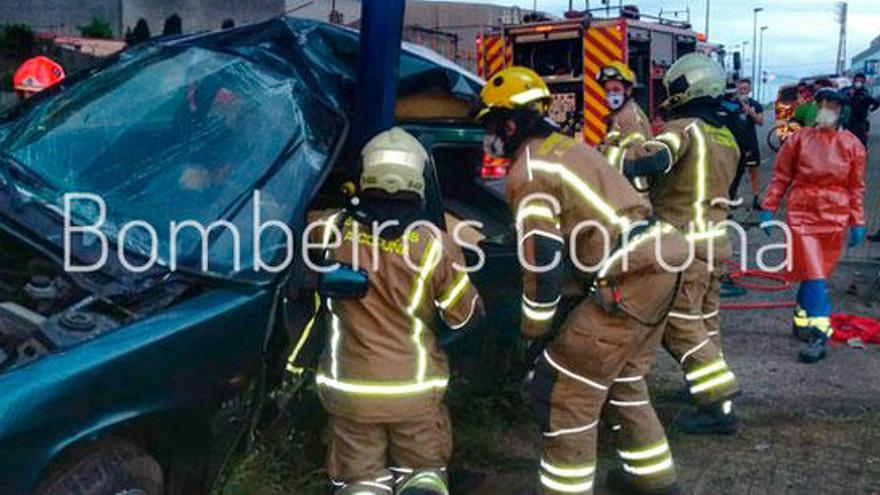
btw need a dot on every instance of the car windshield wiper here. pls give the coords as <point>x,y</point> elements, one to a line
<point>18,173</point>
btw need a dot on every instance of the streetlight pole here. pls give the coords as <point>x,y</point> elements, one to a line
<point>745,45</point>
<point>755,40</point>
<point>761,65</point>
<point>707,18</point>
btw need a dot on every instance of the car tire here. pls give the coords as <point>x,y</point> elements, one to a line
<point>108,467</point>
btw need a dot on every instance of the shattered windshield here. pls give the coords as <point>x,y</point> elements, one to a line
<point>173,133</point>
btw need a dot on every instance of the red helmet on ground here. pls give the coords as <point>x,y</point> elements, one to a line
<point>37,74</point>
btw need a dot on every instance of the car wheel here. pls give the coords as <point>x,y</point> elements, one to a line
<point>108,467</point>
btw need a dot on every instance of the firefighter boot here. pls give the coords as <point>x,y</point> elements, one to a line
<point>424,482</point>
<point>800,326</point>
<point>618,481</point>
<point>714,419</point>
<point>815,350</point>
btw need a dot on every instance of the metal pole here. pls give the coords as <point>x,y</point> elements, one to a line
<point>378,62</point>
<point>707,19</point>
<point>755,40</point>
<point>760,93</point>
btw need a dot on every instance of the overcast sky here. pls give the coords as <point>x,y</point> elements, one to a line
<point>801,38</point>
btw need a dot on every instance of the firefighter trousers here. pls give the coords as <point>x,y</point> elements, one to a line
<point>693,336</point>
<point>358,453</point>
<point>599,355</point>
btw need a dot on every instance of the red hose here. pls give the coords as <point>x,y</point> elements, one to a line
<point>779,283</point>
<point>760,305</point>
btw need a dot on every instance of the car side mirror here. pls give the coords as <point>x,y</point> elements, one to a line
<point>344,283</point>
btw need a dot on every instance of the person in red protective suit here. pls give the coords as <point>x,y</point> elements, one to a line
<point>35,75</point>
<point>822,169</point>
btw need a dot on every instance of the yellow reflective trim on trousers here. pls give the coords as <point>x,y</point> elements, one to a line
<point>646,453</point>
<point>384,388</point>
<point>649,469</point>
<point>581,471</point>
<point>823,323</point>
<point>291,360</point>
<point>800,318</point>
<point>426,479</point>
<point>706,370</point>
<point>455,292</point>
<point>701,178</point>
<point>538,314</point>
<point>633,245</point>
<point>580,187</point>
<point>558,486</point>
<point>713,383</point>
<point>540,305</point>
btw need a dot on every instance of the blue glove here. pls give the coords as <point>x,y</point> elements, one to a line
<point>765,216</point>
<point>856,235</point>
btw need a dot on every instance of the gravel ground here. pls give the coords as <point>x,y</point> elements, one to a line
<point>804,429</point>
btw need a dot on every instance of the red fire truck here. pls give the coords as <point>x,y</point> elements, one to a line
<point>569,53</point>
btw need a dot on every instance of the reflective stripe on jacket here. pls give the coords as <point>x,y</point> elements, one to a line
<point>568,201</point>
<point>629,126</point>
<point>382,361</point>
<point>692,194</point>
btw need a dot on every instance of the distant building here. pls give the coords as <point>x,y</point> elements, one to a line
<point>62,17</point>
<point>868,60</point>
<point>450,28</point>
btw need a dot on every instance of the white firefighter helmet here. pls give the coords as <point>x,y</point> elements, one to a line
<point>394,162</point>
<point>693,76</point>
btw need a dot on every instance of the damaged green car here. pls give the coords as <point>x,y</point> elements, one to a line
<point>138,359</point>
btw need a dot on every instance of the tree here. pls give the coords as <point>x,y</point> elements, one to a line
<point>141,32</point>
<point>173,25</point>
<point>97,29</point>
<point>17,40</point>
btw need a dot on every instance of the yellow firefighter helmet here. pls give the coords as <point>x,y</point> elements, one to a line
<point>616,70</point>
<point>514,88</point>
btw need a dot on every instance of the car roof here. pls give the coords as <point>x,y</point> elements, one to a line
<point>332,50</point>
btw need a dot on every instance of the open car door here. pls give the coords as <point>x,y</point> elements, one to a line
<point>474,211</point>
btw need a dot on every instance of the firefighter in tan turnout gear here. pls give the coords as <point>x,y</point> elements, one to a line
<point>383,375</point>
<point>627,123</point>
<point>692,163</point>
<point>565,199</point>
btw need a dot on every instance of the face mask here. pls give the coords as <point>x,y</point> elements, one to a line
<point>615,100</point>
<point>827,118</point>
<point>859,85</point>
<point>493,145</point>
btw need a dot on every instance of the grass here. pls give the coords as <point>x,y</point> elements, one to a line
<point>488,432</point>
